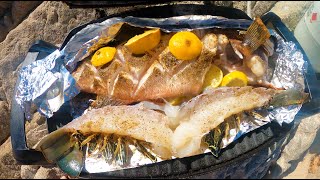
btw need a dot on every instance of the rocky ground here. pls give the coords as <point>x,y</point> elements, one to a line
<point>21,23</point>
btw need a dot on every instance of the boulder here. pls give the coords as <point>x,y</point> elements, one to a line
<point>4,121</point>
<point>301,142</point>
<point>261,7</point>
<point>5,4</point>
<point>12,13</point>
<point>223,3</point>
<point>9,169</point>
<point>21,9</point>
<point>49,173</point>
<point>291,13</point>
<point>51,22</point>
<point>242,5</point>
<point>28,171</point>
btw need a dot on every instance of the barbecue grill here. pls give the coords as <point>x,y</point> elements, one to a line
<point>250,156</point>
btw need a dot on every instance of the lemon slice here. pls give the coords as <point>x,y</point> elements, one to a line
<point>213,77</point>
<point>103,56</point>
<point>235,79</point>
<point>142,43</point>
<point>185,45</point>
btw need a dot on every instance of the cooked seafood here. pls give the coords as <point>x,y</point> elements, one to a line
<point>151,76</point>
<point>159,74</point>
<point>108,129</point>
<point>180,134</point>
<point>206,111</point>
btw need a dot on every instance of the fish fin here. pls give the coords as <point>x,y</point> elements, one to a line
<point>55,145</point>
<point>256,35</point>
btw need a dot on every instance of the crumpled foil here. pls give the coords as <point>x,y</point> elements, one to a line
<point>48,84</point>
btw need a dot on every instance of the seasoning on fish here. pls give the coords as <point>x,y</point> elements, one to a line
<point>205,112</point>
<point>109,127</point>
<point>175,65</point>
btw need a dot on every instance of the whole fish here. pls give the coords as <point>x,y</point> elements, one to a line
<point>158,74</point>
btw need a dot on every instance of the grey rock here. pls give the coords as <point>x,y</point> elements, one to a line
<point>9,169</point>
<point>261,7</point>
<point>242,5</point>
<point>291,12</point>
<point>37,26</point>
<point>4,121</point>
<point>223,3</point>
<point>29,171</point>
<point>49,173</point>
<point>34,135</point>
<point>298,145</point>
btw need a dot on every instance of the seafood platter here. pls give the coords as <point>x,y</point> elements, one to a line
<point>144,91</point>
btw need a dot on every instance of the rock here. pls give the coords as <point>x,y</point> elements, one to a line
<point>261,7</point>
<point>2,11</point>
<point>20,9</point>
<point>36,121</point>
<point>5,4</point>
<point>4,32</point>
<point>291,13</point>
<point>29,171</point>
<point>11,14</point>
<point>7,20</point>
<point>51,22</point>
<point>9,169</point>
<point>34,135</point>
<point>49,173</point>
<point>299,144</point>
<point>223,3</point>
<point>315,164</point>
<point>4,122</point>
<point>242,5</point>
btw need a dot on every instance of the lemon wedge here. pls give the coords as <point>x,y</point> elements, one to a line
<point>185,45</point>
<point>142,43</point>
<point>213,77</point>
<point>103,56</point>
<point>235,79</point>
